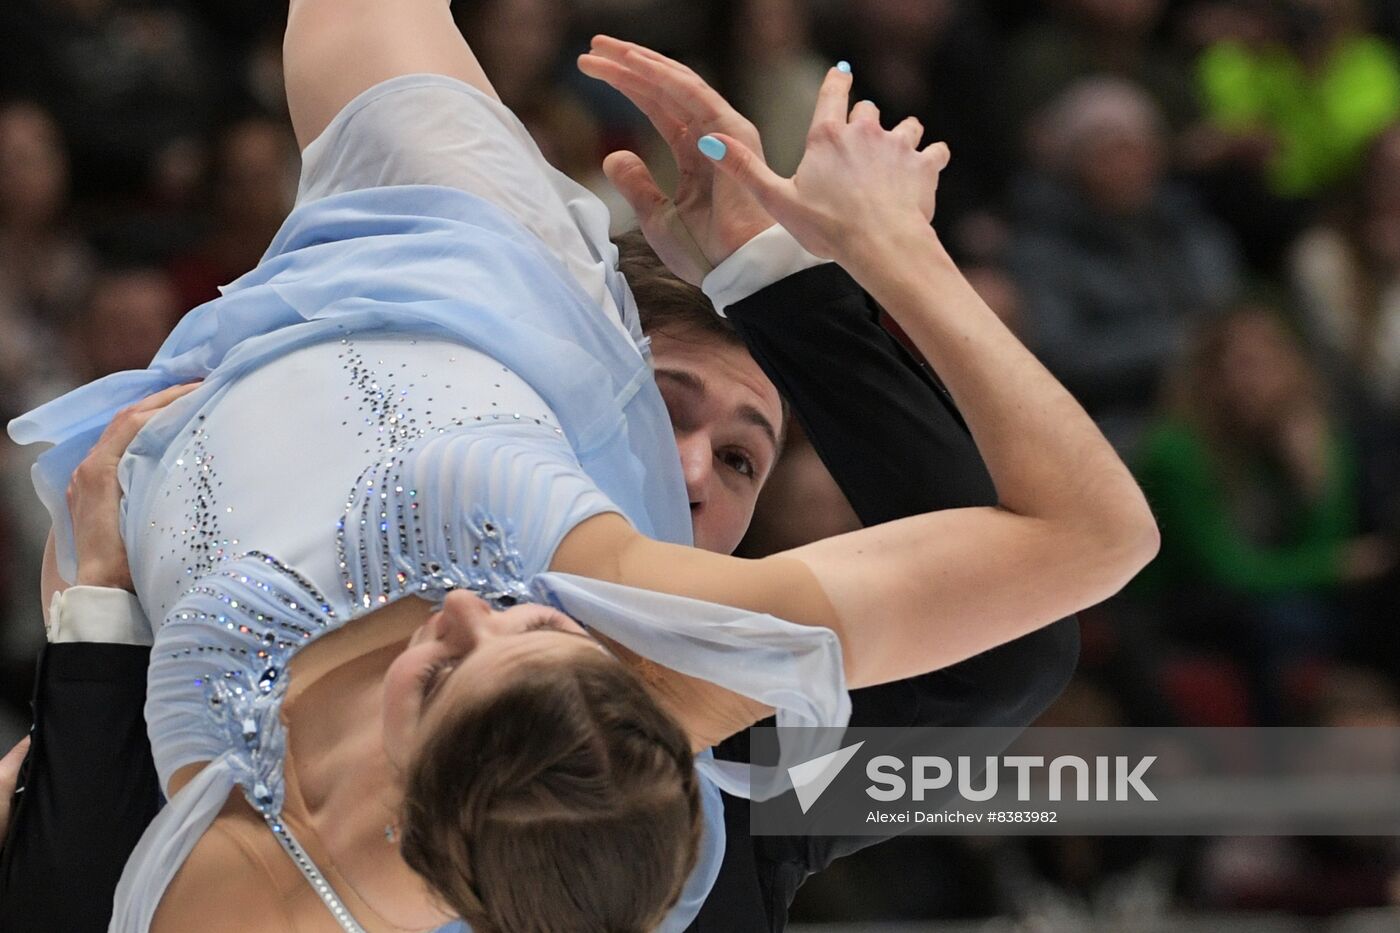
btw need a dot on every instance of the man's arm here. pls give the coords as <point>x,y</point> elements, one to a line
<point>880,421</point>
<point>88,787</point>
<point>89,790</point>
<point>896,446</point>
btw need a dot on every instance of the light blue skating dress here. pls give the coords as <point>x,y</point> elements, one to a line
<point>411,393</point>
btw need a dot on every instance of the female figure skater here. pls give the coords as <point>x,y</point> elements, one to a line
<point>428,413</point>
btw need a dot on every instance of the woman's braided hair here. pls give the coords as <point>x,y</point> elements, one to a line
<point>567,802</point>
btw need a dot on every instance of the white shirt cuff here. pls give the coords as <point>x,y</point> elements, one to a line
<point>772,255</point>
<point>98,614</point>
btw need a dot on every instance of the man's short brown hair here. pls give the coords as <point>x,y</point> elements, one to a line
<point>670,305</point>
<point>666,302</point>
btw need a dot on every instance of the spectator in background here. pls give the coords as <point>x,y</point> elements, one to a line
<point>1317,875</point>
<point>124,79</point>
<point>1253,483</point>
<point>1293,93</point>
<point>1318,87</point>
<point>1347,273</point>
<point>252,185</point>
<point>1112,260</point>
<point>126,318</point>
<point>1081,38</point>
<point>1347,276</point>
<point>521,45</point>
<point>43,266</point>
<point>778,73</point>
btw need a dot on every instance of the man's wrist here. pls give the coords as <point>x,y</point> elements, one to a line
<point>772,255</point>
<point>104,614</point>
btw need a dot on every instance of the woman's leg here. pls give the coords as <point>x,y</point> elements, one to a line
<point>432,132</point>
<point>335,49</point>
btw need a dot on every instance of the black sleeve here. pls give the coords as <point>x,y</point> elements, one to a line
<point>881,422</point>
<point>89,790</point>
<point>893,440</point>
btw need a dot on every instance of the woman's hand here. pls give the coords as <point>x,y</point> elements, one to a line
<point>1302,440</point>
<point>856,179</point>
<point>94,495</point>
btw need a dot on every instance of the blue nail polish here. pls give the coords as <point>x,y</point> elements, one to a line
<point>844,67</point>
<point>712,147</point>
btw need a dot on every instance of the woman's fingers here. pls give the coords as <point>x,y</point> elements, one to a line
<point>865,112</point>
<point>833,100</point>
<point>910,130</point>
<point>774,192</point>
<point>939,154</point>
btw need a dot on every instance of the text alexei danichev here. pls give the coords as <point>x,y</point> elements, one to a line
<point>959,816</point>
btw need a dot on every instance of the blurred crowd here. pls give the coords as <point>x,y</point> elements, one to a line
<point>1188,209</point>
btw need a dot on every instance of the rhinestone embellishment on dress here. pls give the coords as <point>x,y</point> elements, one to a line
<point>242,616</point>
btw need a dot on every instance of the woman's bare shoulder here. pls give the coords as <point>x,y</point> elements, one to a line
<point>226,884</point>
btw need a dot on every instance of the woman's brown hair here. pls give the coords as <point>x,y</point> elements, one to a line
<point>565,803</point>
<point>1194,392</point>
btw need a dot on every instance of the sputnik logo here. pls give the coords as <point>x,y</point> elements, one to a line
<point>811,778</point>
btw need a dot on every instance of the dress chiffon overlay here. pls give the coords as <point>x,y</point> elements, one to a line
<point>421,387</point>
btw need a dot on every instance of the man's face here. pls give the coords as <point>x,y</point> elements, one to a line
<point>727,418</point>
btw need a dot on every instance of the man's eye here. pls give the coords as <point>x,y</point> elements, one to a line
<point>738,462</point>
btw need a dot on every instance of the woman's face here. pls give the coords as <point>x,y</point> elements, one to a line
<point>1120,170</point>
<point>33,168</point>
<point>465,651</point>
<point>1258,371</point>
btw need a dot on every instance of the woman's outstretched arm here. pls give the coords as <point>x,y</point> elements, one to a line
<point>914,595</point>
<point>335,49</point>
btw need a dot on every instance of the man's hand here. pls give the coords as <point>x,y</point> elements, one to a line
<point>94,495</point>
<point>9,776</point>
<point>712,214</point>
